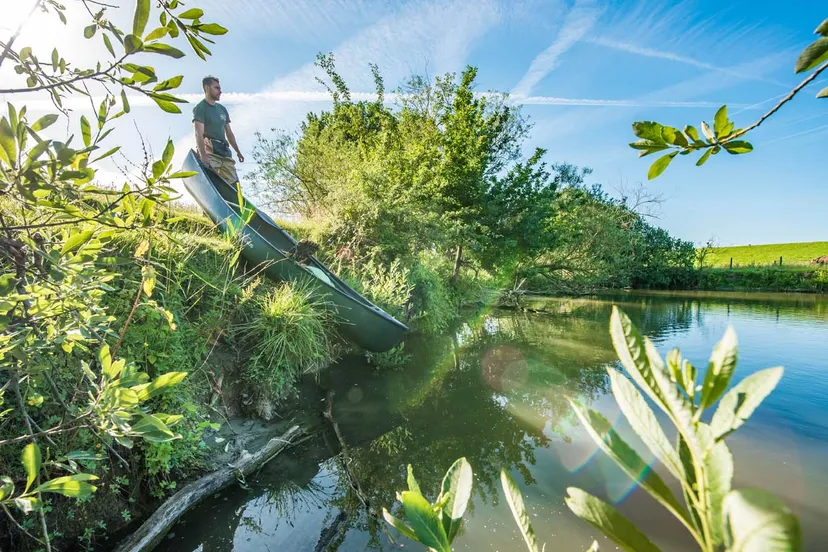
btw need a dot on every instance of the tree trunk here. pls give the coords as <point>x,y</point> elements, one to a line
<point>159,523</point>
<point>458,259</point>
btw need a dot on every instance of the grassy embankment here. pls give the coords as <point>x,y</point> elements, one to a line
<point>243,340</point>
<point>757,268</point>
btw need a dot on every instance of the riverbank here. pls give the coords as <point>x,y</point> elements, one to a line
<point>808,279</point>
<point>183,301</point>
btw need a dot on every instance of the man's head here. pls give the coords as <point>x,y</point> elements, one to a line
<point>212,88</point>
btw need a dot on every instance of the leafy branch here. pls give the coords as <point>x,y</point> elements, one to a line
<point>654,137</point>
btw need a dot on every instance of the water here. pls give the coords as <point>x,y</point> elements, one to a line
<point>494,390</point>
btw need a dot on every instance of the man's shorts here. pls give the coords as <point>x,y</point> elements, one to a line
<point>224,166</point>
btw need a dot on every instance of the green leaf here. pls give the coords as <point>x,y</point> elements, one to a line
<point>627,459</point>
<point>139,21</point>
<point>609,521</point>
<point>758,521</point>
<point>30,458</point>
<point>823,93</point>
<point>182,174</point>
<point>164,49</point>
<point>105,358</point>
<point>720,120</point>
<point>740,402</point>
<point>399,525</point>
<point>703,159</point>
<point>75,241</point>
<point>25,53</point>
<point>148,279</point>
<point>192,13</point>
<point>707,132</point>
<point>167,106</point>
<point>108,44</point>
<point>692,133</point>
<point>149,390</point>
<point>812,56</point>
<point>73,486</point>
<point>424,521</point>
<point>412,482</point>
<point>822,29</point>
<point>113,151</point>
<point>515,500</point>
<point>644,422</point>
<point>86,131</point>
<point>160,32</point>
<point>629,346</point>
<point>27,504</point>
<point>169,151</point>
<point>720,368</point>
<point>212,29</point>
<point>719,470</point>
<point>132,43</point>
<point>660,165</point>
<point>157,169</point>
<point>124,101</point>
<point>8,142</point>
<point>738,146</point>
<point>648,130</point>
<point>152,429</point>
<point>6,487</point>
<point>44,122</point>
<point>457,485</point>
<point>169,84</point>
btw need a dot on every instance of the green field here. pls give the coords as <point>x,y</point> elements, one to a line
<point>765,255</point>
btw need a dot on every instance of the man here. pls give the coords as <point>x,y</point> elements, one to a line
<point>212,123</point>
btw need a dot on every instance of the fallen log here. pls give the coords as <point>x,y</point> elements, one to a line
<point>158,524</point>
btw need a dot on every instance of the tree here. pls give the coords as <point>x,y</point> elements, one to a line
<point>654,137</point>
<point>56,230</point>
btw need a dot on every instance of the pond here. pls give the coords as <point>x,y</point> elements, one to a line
<point>494,390</point>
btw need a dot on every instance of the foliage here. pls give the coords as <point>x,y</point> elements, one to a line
<point>601,242</point>
<point>438,173</point>
<point>654,137</point>
<point>764,278</point>
<point>717,516</point>
<point>58,258</point>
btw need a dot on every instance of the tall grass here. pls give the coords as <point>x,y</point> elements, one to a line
<point>287,331</point>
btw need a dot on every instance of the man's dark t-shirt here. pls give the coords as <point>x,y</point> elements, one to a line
<point>214,117</point>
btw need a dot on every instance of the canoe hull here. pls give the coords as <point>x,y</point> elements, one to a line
<point>361,321</point>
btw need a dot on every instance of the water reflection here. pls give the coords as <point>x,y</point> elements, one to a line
<point>494,390</point>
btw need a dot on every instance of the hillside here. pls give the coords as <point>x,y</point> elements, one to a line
<point>764,255</point>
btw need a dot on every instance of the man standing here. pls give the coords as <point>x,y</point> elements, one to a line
<point>212,123</point>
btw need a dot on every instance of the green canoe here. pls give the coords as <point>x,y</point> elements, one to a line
<point>362,322</point>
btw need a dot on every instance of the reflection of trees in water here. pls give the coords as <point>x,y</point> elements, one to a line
<point>488,395</point>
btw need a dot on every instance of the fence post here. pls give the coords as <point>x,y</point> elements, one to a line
<point>780,260</point>
<point>731,263</point>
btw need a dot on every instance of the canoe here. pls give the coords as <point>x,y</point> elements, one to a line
<point>361,321</point>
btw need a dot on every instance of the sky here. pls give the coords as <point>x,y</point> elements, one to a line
<point>583,70</point>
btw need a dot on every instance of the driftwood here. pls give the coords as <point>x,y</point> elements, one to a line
<point>153,530</point>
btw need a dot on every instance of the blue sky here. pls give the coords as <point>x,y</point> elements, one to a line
<point>584,70</point>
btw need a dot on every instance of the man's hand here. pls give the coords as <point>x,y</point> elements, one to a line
<point>241,157</point>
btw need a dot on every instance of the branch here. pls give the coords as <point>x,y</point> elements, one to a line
<point>782,102</point>
<point>43,527</point>
<point>28,437</point>
<point>20,527</point>
<point>10,43</point>
<point>91,76</point>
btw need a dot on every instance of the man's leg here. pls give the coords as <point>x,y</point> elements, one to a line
<point>226,168</point>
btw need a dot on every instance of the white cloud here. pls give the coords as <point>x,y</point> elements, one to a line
<point>577,23</point>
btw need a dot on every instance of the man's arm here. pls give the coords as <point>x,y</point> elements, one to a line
<point>232,139</point>
<point>199,135</point>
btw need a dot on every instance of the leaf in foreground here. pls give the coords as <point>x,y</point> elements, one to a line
<point>740,402</point>
<point>457,485</point>
<point>424,521</point>
<point>758,521</point>
<point>609,521</point>
<point>515,500</point>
